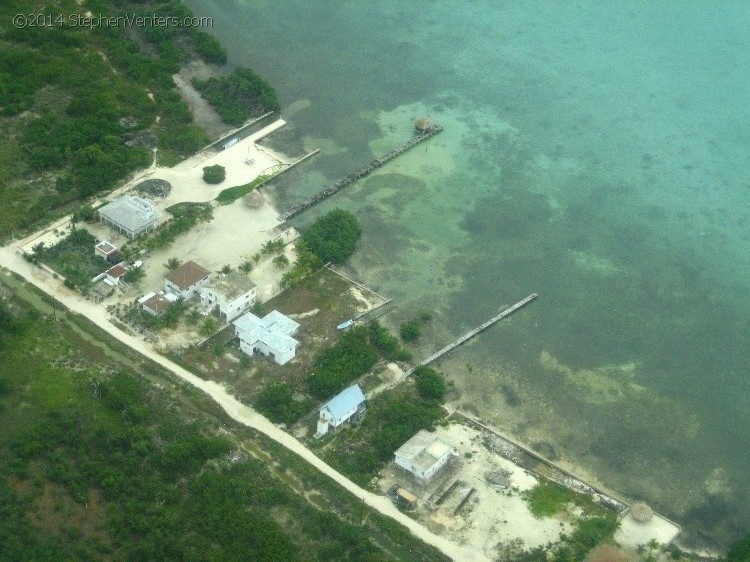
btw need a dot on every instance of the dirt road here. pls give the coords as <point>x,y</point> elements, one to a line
<point>12,260</point>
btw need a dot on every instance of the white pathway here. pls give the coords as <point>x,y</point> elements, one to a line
<point>11,259</point>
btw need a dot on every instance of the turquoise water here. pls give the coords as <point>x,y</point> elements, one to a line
<point>596,154</point>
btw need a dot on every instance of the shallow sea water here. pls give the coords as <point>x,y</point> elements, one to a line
<point>596,154</point>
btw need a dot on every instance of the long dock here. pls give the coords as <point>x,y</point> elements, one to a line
<point>359,173</point>
<point>467,336</point>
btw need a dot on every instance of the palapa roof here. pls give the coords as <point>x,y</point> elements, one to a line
<point>188,274</point>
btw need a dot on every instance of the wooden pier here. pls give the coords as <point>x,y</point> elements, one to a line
<point>360,173</point>
<point>466,337</point>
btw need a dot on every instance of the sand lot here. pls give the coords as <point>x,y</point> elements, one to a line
<point>492,518</point>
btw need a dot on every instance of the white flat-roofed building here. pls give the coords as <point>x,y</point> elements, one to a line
<point>270,335</point>
<point>130,215</point>
<point>186,280</point>
<point>108,251</point>
<point>423,455</point>
<point>340,409</point>
<point>233,294</point>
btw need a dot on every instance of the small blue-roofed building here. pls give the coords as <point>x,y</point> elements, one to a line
<point>346,406</point>
<point>270,335</point>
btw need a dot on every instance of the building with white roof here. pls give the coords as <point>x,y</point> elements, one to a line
<point>340,409</point>
<point>270,335</point>
<point>423,455</point>
<point>130,215</point>
<point>232,293</point>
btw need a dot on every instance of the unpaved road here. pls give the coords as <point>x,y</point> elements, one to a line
<point>11,259</point>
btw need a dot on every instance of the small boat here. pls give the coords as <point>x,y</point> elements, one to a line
<point>344,325</point>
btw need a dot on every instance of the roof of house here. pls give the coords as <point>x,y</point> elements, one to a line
<point>158,303</point>
<point>106,247</point>
<point>131,212</point>
<point>117,271</point>
<point>232,285</point>
<point>424,449</point>
<point>188,274</point>
<point>344,401</point>
<point>273,329</point>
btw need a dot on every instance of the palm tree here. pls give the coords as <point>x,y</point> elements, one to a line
<point>281,261</point>
<point>226,269</point>
<point>246,266</point>
<point>172,264</point>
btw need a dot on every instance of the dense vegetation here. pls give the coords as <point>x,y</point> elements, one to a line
<point>74,258</point>
<point>334,236</point>
<point>430,383</point>
<point>82,107</point>
<point>214,174</point>
<point>386,343</point>
<point>306,263</point>
<point>238,95</point>
<point>96,462</point>
<point>739,551</point>
<point>337,366</point>
<point>277,403</point>
<point>410,331</point>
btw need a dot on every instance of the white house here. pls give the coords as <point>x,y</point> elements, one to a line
<point>270,335</point>
<point>340,409</point>
<point>130,215</point>
<point>186,280</point>
<point>108,251</point>
<point>423,455</point>
<point>114,274</point>
<point>156,303</point>
<point>233,294</point>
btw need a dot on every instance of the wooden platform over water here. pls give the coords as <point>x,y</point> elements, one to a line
<point>467,336</point>
<point>359,173</point>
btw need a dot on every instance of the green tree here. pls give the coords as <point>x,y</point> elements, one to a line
<point>209,326</point>
<point>134,275</point>
<point>410,331</point>
<point>277,404</point>
<point>739,551</point>
<point>172,264</point>
<point>334,236</point>
<point>281,261</point>
<point>430,385</point>
<point>246,266</point>
<point>214,174</point>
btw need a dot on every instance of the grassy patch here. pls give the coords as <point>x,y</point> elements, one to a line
<point>549,498</point>
<point>231,194</point>
<point>546,499</point>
